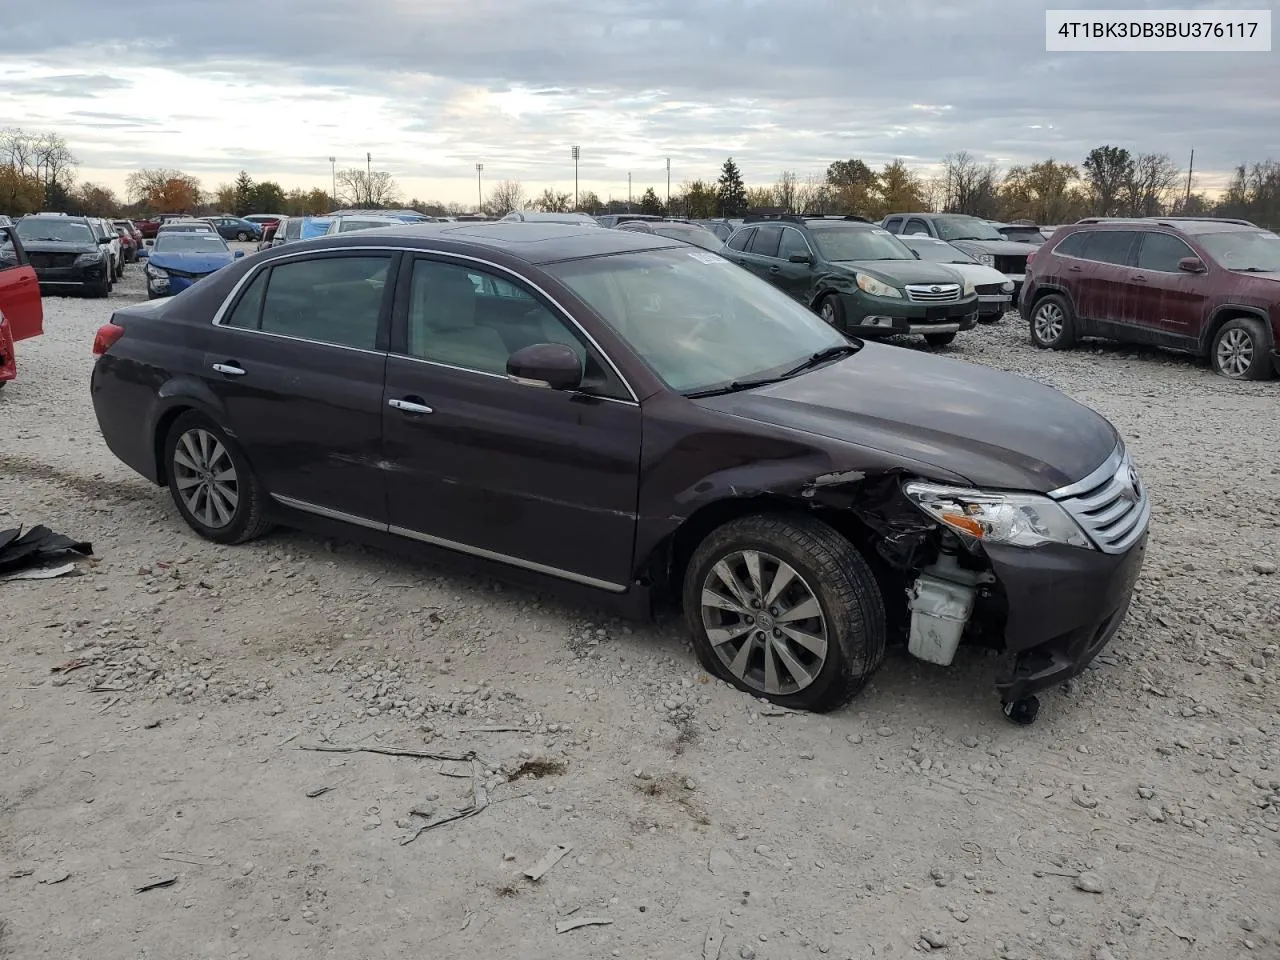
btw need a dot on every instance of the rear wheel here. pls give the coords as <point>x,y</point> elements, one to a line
<point>787,609</point>
<point>212,483</point>
<point>242,237</point>
<point>939,339</point>
<point>1053,323</point>
<point>100,289</point>
<point>1239,350</point>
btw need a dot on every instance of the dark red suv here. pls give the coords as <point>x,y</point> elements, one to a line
<point>1206,286</point>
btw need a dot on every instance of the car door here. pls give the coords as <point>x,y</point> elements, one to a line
<point>1162,297</point>
<point>736,245</point>
<point>297,363</point>
<point>477,462</point>
<point>19,289</point>
<point>918,227</point>
<point>761,254</point>
<point>1104,287</point>
<point>795,279</point>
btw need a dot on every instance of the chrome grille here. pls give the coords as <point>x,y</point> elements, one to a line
<point>1111,504</point>
<point>933,292</point>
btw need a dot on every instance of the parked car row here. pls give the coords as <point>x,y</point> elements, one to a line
<point>21,310</point>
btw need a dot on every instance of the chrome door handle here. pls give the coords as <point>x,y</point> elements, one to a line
<point>408,406</point>
<point>1139,277</point>
<point>773,269</point>
<point>229,369</point>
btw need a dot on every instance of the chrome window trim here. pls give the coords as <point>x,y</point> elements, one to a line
<point>501,376</point>
<point>407,533</point>
<point>1104,472</point>
<point>1143,234</point>
<point>224,307</point>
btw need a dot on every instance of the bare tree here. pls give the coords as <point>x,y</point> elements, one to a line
<point>786,192</point>
<point>169,191</point>
<point>971,186</point>
<point>507,195</point>
<point>360,188</point>
<point>1153,185</point>
<point>813,195</point>
<point>55,163</point>
<point>934,192</point>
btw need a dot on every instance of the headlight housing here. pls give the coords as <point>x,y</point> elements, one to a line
<point>88,259</point>
<point>969,289</point>
<point>157,273</point>
<point>1007,286</point>
<point>986,259</point>
<point>877,288</point>
<point>1015,519</point>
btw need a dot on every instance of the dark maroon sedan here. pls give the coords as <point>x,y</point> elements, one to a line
<point>630,416</point>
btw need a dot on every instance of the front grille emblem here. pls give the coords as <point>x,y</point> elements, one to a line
<point>935,289</point>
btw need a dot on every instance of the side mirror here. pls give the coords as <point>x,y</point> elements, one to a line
<point>104,240</point>
<point>149,243</point>
<point>238,255</point>
<point>143,253</point>
<point>552,365</point>
<point>799,258</point>
<point>1192,265</point>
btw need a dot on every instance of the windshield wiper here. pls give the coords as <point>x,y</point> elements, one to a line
<point>822,356</point>
<point>1252,270</point>
<point>733,387</point>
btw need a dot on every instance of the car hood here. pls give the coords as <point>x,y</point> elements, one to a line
<point>190,262</point>
<point>977,273</point>
<point>997,430</point>
<point>58,246</point>
<point>1003,248</point>
<point>899,272</point>
<point>1273,276</point>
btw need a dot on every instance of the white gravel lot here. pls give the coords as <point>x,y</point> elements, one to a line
<point>1139,818</point>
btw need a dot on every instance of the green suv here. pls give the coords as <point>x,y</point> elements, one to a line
<point>860,278</point>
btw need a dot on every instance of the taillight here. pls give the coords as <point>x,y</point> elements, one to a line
<point>1030,256</point>
<point>106,337</point>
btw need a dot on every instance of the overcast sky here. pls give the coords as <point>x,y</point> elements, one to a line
<point>430,87</point>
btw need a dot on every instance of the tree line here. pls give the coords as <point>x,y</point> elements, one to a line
<point>38,172</point>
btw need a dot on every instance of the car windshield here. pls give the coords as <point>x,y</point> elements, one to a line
<point>690,234</point>
<point>184,241</point>
<point>697,320</point>
<point>1253,251</point>
<point>47,228</point>
<point>936,251</point>
<point>348,225</point>
<point>844,242</point>
<point>186,228</point>
<point>965,228</point>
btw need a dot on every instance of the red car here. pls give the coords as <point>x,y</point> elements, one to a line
<point>128,242</point>
<point>21,312</point>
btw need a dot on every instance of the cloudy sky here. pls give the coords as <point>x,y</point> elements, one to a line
<point>430,87</point>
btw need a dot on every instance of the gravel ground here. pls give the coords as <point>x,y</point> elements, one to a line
<point>1139,818</point>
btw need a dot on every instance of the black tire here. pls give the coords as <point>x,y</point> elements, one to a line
<point>242,237</point>
<point>831,309</point>
<point>101,289</point>
<point>1053,323</point>
<point>939,339</point>
<point>829,569</point>
<point>1239,350</point>
<point>990,318</point>
<point>247,519</point>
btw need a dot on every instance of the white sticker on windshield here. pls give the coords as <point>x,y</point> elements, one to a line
<point>880,231</point>
<point>706,257</point>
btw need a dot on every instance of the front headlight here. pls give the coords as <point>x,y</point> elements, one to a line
<point>877,288</point>
<point>1016,519</point>
<point>1007,286</point>
<point>986,259</point>
<point>969,289</point>
<point>88,259</point>
<point>157,273</point>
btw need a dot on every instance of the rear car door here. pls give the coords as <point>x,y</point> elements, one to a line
<point>737,244</point>
<point>1104,286</point>
<point>477,462</point>
<point>1163,297</point>
<point>761,254</point>
<point>19,289</point>
<point>297,362</point>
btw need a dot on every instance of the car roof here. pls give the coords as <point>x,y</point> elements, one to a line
<point>1192,225</point>
<point>533,243</point>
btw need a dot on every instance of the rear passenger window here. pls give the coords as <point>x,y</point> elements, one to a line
<point>1160,251</point>
<point>765,242</point>
<point>335,300</point>
<point>1072,245</point>
<point>247,313</point>
<point>740,239</point>
<point>1109,246</point>
<point>892,224</point>
<point>917,228</point>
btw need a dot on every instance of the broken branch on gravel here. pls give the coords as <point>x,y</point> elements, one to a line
<point>390,752</point>
<point>479,801</point>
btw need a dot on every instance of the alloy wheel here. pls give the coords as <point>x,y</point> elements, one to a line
<point>1049,322</point>
<point>828,312</point>
<point>1235,353</point>
<point>206,478</point>
<point>764,622</point>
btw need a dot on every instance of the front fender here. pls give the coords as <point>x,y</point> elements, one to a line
<point>831,282</point>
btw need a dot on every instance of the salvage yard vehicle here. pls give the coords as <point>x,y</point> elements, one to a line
<point>1205,286</point>
<point>974,236</point>
<point>623,414</point>
<point>858,277</point>
<point>995,292</point>
<point>181,257</point>
<point>68,254</point>
<point>21,310</point>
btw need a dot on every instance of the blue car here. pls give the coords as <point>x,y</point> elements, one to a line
<point>179,259</point>
<point>233,228</point>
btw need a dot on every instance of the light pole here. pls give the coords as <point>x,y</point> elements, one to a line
<point>575,152</point>
<point>628,191</point>
<point>368,165</point>
<point>480,188</point>
<point>333,170</point>
<point>668,186</point>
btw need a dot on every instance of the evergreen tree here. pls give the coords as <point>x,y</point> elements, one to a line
<point>732,192</point>
<point>244,194</point>
<point>649,203</point>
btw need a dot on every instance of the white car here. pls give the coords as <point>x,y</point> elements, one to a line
<point>995,290</point>
<point>346,224</point>
<point>105,228</point>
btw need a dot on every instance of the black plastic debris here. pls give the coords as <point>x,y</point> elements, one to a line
<point>19,550</point>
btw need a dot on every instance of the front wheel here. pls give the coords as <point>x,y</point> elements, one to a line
<point>1239,350</point>
<point>831,310</point>
<point>211,482</point>
<point>939,339</point>
<point>785,608</point>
